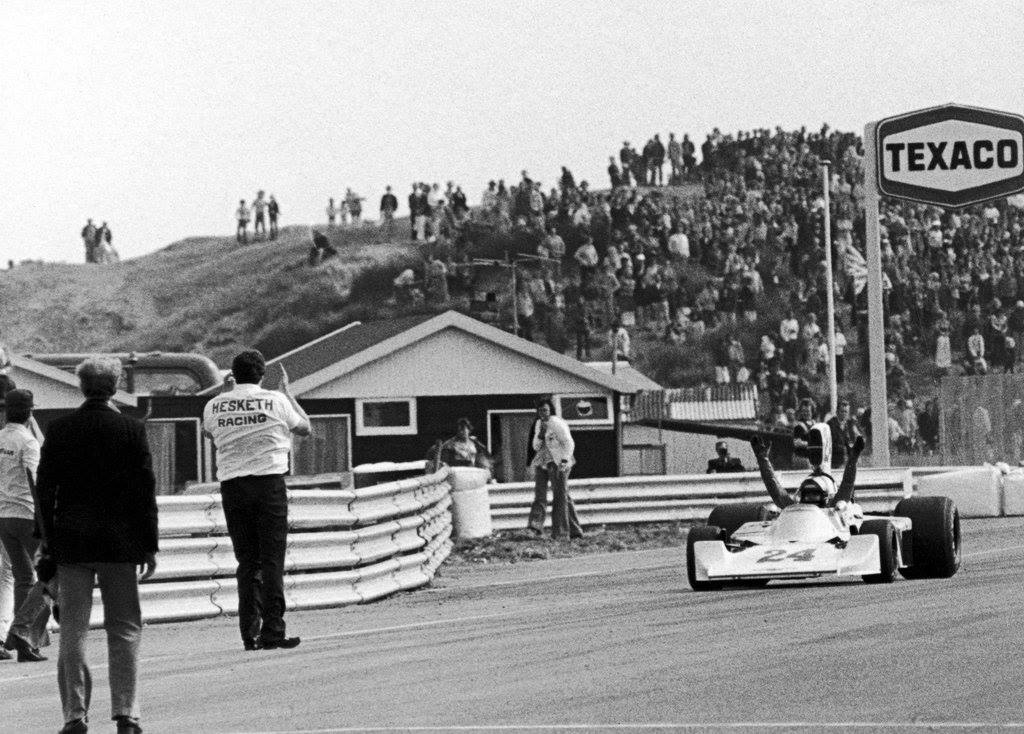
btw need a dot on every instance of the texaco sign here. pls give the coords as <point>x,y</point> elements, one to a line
<point>950,156</point>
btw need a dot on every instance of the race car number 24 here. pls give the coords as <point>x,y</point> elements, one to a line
<point>776,555</point>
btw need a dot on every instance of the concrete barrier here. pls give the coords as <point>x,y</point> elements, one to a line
<point>977,491</point>
<point>1013,492</point>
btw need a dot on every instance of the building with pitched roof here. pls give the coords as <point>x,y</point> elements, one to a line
<point>387,390</point>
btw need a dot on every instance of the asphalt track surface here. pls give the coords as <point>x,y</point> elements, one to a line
<point>614,642</point>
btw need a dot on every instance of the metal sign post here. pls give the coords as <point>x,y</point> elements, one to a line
<point>876,321</point>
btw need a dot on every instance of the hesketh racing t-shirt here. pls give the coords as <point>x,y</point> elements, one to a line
<point>251,429</point>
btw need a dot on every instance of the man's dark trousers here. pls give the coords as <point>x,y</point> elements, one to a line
<point>256,509</point>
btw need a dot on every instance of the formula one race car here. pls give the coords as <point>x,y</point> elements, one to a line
<point>820,531</point>
<point>743,544</point>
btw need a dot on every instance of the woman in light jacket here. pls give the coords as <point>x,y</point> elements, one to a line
<point>552,463</point>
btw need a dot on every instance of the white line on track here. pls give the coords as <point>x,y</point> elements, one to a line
<point>993,550</point>
<point>755,725</point>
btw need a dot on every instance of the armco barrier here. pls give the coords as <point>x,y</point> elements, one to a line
<point>686,497</point>
<point>344,546</point>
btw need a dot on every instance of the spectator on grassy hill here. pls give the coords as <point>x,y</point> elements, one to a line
<point>259,205</point>
<point>354,205</point>
<point>656,162</point>
<point>89,241</point>
<point>689,157</point>
<point>104,251</point>
<point>976,351</point>
<point>621,343</point>
<point>321,248</point>
<point>582,325</point>
<point>435,280</point>
<point>419,207</point>
<point>332,212</point>
<point>675,159</point>
<point>388,207</point>
<point>242,216</point>
<point>489,200</point>
<point>273,210</point>
<point>614,174</point>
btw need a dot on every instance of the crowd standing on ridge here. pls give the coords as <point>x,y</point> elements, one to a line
<point>260,212</point>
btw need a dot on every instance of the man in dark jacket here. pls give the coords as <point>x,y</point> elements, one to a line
<point>97,506</point>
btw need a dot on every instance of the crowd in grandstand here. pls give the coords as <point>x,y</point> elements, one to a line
<point>740,270</point>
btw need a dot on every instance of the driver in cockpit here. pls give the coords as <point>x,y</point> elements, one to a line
<point>819,488</point>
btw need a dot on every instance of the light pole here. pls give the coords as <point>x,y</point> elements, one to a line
<point>830,302</point>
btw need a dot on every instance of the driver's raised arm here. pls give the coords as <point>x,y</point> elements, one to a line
<point>771,480</point>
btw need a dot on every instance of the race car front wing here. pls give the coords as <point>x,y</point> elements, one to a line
<point>858,556</point>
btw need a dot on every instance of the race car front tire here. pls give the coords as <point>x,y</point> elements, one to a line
<point>887,550</point>
<point>696,533</point>
<point>730,517</point>
<point>935,530</point>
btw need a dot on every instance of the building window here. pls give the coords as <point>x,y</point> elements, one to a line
<point>386,417</point>
<point>585,410</point>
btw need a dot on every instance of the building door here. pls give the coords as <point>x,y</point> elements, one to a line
<point>508,440</point>
<point>328,450</point>
<point>175,448</point>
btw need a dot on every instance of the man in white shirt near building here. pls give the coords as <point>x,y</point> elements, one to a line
<point>251,429</point>
<point>19,459</point>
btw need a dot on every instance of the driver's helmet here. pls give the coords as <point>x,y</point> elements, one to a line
<point>817,489</point>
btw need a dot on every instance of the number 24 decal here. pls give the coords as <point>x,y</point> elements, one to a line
<point>779,554</point>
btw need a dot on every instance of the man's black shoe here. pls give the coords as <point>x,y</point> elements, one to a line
<point>78,726</point>
<point>250,644</point>
<point>127,725</point>
<point>26,653</point>
<point>285,643</point>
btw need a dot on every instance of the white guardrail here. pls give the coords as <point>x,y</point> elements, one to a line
<point>345,546</point>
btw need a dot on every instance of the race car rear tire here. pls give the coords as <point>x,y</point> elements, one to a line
<point>700,532</point>
<point>935,533</point>
<point>887,550</point>
<point>730,517</point>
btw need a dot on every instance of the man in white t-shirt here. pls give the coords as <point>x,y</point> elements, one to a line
<point>19,459</point>
<point>251,429</point>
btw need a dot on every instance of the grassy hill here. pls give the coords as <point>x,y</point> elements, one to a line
<point>204,294</point>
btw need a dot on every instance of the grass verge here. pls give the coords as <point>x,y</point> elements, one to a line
<point>520,546</point>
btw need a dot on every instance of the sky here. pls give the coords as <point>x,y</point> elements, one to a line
<point>159,117</point>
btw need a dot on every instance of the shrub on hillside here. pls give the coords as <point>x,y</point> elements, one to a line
<point>375,283</point>
<point>285,335</point>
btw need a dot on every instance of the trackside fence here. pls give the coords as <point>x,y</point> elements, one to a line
<point>690,497</point>
<point>345,546</point>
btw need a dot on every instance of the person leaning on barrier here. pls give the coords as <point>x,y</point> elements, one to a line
<point>463,449</point>
<point>251,428</point>
<point>19,459</point>
<point>97,507</point>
